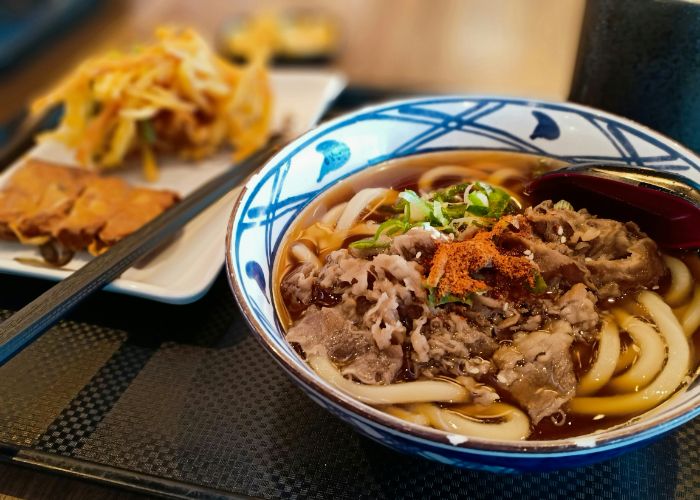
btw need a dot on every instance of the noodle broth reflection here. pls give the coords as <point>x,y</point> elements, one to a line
<point>430,288</point>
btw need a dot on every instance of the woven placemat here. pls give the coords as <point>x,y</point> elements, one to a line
<point>186,394</point>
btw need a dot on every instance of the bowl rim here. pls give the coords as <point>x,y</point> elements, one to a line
<point>624,434</point>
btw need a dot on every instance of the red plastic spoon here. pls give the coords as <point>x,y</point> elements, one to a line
<point>664,205</point>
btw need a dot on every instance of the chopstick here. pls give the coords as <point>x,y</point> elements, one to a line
<point>23,134</point>
<point>24,326</point>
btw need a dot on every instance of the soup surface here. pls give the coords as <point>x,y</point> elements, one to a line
<point>431,287</point>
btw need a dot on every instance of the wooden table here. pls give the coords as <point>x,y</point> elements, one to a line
<point>468,46</point>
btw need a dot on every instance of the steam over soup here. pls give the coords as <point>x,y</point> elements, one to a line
<point>430,288</point>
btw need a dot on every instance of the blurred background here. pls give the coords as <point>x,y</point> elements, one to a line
<point>514,47</point>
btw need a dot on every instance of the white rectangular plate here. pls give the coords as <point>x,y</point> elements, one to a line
<point>185,269</point>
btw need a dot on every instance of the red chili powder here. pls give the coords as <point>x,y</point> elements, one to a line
<point>455,263</point>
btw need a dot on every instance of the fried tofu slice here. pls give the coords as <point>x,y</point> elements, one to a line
<point>36,197</point>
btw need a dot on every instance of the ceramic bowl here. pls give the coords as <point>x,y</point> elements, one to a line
<point>337,149</point>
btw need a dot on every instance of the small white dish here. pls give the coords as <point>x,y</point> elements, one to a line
<point>185,269</point>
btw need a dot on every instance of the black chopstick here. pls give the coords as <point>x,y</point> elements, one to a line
<point>22,135</point>
<point>33,319</point>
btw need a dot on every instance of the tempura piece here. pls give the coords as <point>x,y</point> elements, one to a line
<point>292,35</point>
<point>138,208</point>
<point>64,209</point>
<point>173,96</point>
<point>108,210</point>
<point>99,202</point>
<point>36,197</point>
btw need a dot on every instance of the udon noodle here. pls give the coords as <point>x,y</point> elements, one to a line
<point>431,288</point>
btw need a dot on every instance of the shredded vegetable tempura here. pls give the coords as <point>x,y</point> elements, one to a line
<point>175,95</point>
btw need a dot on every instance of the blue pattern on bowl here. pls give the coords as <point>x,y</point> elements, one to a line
<point>342,147</point>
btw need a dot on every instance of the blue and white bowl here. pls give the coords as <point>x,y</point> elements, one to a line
<point>337,149</point>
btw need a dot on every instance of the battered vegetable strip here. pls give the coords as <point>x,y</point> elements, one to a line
<point>172,96</point>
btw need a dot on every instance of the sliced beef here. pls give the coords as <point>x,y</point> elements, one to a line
<point>556,265</point>
<point>501,317</point>
<point>577,307</point>
<point>508,322</point>
<point>376,293</point>
<point>454,347</point>
<point>611,258</point>
<point>416,244</point>
<point>537,371</point>
<point>642,267</point>
<point>478,342</point>
<point>297,289</point>
<point>560,326</point>
<point>374,367</point>
<point>532,323</point>
<point>326,330</point>
<point>483,312</point>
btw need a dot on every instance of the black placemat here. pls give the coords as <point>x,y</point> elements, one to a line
<point>182,400</point>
